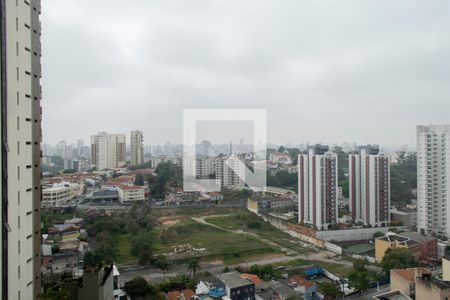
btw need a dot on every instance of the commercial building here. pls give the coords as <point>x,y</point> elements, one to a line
<point>317,187</point>
<point>20,161</point>
<point>137,147</point>
<point>131,193</point>
<point>108,150</point>
<point>60,194</point>
<point>393,241</point>
<point>433,180</point>
<point>369,183</point>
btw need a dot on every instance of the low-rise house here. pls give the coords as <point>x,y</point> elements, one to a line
<point>304,286</point>
<point>392,241</point>
<point>429,288</point>
<point>210,287</point>
<point>259,284</point>
<point>236,287</point>
<point>97,284</point>
<point>446,268</point>
<point>185,294</point>
<point>428,253</point>
<point>63,232</point>
<point>281,290</point>
<point>394,295</point>
<point>404,280</point>
<point>215,196</point>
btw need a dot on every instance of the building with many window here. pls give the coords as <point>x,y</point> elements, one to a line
<point>20,161</point>
<point>317,187</point>
<point>108,150</point>
<point>137,147</point>
<point>60,194</point>
<point>433,180</point>
<point>369,186</point>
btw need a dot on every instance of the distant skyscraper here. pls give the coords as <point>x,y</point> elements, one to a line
<point>20,161</point>
<point>108,150</point>
<point>205,148</point>
<point>80,147</point>
<point>137,147</point>
<point>61,149</point>
<point>369,187</point>
<point>317,187</point>
<point>433,180</point>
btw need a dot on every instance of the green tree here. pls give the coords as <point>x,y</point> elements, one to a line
<point>360,280</point>
<point>92,261</point>
<point>139,180</point>
<point>52,294</point>
<point>193,266</point>
<point>397,258</point>
<point>162,263</point>
<point>403,180</point>
<point>138,287</point>
<point>330,289</point>
<point>142,247</point>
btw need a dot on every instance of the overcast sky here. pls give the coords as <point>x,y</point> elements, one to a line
<point>326,71</point>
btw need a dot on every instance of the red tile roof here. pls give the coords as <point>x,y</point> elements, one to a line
<point>253,278</point>
<point>301,281</point>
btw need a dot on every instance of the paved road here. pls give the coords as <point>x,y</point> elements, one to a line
<point>154,275</point>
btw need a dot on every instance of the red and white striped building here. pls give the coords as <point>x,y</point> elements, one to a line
<point>317,187</point>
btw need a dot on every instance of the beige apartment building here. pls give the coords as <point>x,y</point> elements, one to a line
<point>108,151</point>
<point>137,147</point>
<point>21,138</point>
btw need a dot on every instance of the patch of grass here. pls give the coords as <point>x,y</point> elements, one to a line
<point>249,222</point>
<point>218,243</point>
<point>124,244</point>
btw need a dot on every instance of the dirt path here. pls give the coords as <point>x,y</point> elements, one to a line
<point>285,250</point>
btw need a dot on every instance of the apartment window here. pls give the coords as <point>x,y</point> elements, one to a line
<point>18,148</point>
<point>18,101</point>
<point>18,247</point>
<point>18,172</point>
<point>18,222</point>
<point>18,272</point>
<point>18,197</point>
<point>17,24</point>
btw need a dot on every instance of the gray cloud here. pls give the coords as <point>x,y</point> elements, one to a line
<point>328,71</point>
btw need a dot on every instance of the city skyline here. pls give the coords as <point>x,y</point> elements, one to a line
<point>367,72</point>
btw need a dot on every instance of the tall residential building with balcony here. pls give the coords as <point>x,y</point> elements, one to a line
<point>317,187</point>
<point>433,180</point>
<point>108,150</point>
<point>20,117</point>
<point>137,147</point>
<point>226,175</point>
<point>369,186</point>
